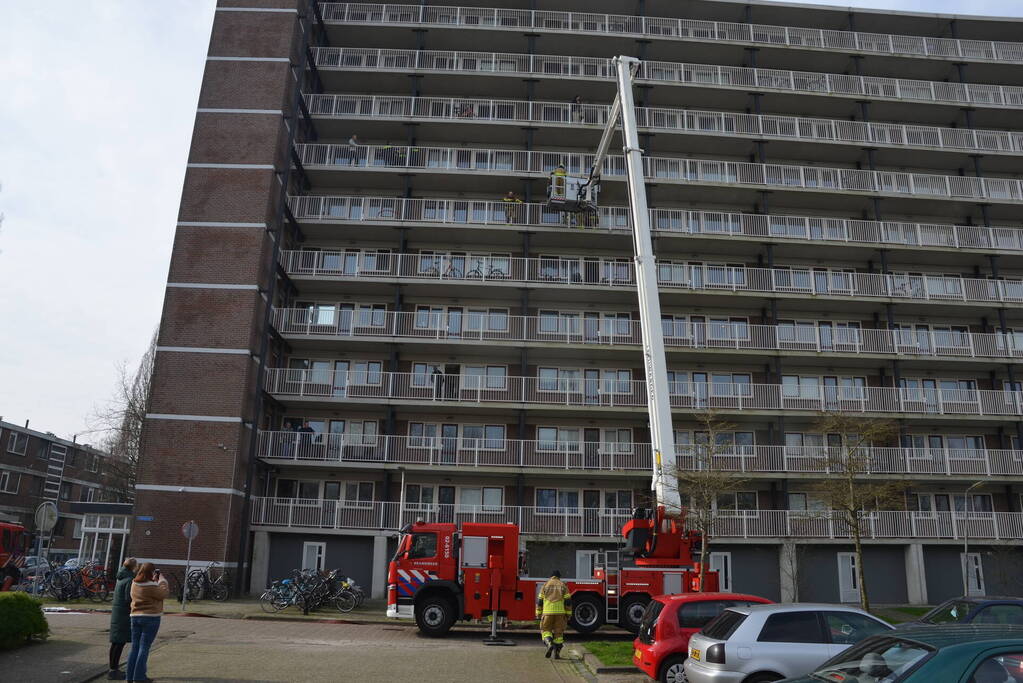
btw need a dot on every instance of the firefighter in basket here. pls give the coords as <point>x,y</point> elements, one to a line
<point>553,609</point>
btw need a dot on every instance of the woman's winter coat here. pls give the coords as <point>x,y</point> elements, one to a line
<point>120,609</point>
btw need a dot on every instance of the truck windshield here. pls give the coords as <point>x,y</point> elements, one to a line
<point>423,545</point>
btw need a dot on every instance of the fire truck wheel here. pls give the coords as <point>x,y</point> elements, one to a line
<point>435,615</point>
<point>587,613</point>
<point>631,612</point>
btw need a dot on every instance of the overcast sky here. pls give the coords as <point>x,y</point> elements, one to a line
<point>97,101</point>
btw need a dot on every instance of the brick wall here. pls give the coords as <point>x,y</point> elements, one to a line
<point>199,466</point>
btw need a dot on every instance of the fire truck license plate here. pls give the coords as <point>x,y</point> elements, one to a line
<point>695,654</point>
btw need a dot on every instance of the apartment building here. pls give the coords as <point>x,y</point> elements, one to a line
<point>36,467</point>
<point>360,331</point>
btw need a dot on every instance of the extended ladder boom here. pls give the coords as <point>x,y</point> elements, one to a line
<point>664,485</point>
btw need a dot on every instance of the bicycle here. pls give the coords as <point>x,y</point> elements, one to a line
<point>88,581</point>
<point>491,273</point>
<point>200,582</point>
<point>451,272</point>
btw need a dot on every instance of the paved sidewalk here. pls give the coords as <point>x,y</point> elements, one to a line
<point>202,649</point>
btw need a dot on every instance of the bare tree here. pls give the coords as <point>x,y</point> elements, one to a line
<point>848,490</point>
<point>705,472</point>
<point>123,417</point>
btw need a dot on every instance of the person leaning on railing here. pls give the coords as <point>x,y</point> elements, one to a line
<point>512,205</point>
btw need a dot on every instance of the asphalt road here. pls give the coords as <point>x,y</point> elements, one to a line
<point>206,649</point>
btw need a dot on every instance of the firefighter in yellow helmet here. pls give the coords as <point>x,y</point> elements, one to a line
<point>553,609</point>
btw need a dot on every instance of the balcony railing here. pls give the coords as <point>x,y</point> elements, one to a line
<point>480,326</point>
<point>582,271</point>
<point>660,119</point>
<point>661,169</point>
<point>629,457</point>
<point>668,28</point>
<point>305,513</point>
<point>669,73</point>
<point>684,221</point>
<point>603,391</point>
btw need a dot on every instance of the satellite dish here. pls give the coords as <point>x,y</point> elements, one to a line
<point>46,517</point>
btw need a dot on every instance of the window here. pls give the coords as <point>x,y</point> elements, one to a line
<point>485,377</point>
<point>794,386</point>
<point>617,441</point>
<point>87,494</point>
<point>358,494</point>
<point>1000,614</point>
<point>879,661</point>
<point>361,433</point>
<point>487,499</point>
<point>312,555</point>
<point>802,502</point>
<point>849,628</point>
<point>792,627</point>
<point>91,462</point>
<point>724,625</point>
<point>738,504</point>
<point>699,614</point>
<point>65,491</point>
<point>487,320</point>
<point>423,372</point>
<point>423,546</point>
<point>17,443</point>
<point>617,500</point>
<point>419,497</point>
<point>1001,667</point>
<point>10,482</point>
<point>557,501</point>
<point>559,439</point>
<point>422,435</point>
<point>559,379</point>
<point>76,531</point>
<point>483,436</point>
<point>366,373</point>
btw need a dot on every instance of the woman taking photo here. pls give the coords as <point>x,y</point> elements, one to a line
<point>120,617</point>
<point>148,591</point>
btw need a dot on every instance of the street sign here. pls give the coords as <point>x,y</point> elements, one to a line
<point>145,518</point>
<point>189,530</point>
<point>46,517</point>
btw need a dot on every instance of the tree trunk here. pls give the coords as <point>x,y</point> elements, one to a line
<point>864,601</point>
<point>704,543</point>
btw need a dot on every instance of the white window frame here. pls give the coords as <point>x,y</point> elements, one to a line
<point>10,482</point>
<point>486,316</point>
<point>321,553</point>
<point>12,443</point>
<point>346,502</point>
<point>561,445</point>
<point>364,373</point>
<point>484,507</point>
<point>558,509</point>
<point>485,377</point>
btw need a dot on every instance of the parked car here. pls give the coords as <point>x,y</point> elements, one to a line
<point>980,610</point>
<point>761,643</point>
<point>662,644</point>
<point>957,653</point>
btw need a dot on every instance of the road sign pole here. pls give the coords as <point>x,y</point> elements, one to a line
<point>189,530</point>
<point>45,519</point>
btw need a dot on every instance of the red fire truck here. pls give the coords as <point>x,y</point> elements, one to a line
<point>441,574</point>
<point>12,552</point>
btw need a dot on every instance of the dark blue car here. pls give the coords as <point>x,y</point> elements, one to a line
<point>981,610</point>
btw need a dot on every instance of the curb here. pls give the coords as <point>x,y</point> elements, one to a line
<point>597,666</point>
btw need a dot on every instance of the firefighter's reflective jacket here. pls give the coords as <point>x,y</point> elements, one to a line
<point>554,598</point>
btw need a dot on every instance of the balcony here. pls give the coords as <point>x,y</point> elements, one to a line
<point>578,271</point>
<point>299,513</point>
<point>598,392</point>
<point>668,73</point>
<point>516,163</point>
<point>667,28</point>
<point>686,121</point>
<point>472,453</point>
<point>717,224</point>
<point>468,327</point>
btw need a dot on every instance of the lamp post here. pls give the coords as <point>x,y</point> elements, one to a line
<point>966,538</point>
<point>401,500</point>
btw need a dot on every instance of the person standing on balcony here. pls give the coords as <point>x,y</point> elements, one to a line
<point>305,439</point>
<point>353,150</point>
<point>438,383</point>
<point>577,109</point>
<point>512,205</point>
<point>554,609</point>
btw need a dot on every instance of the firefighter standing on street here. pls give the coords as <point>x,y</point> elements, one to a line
<point>553,609</point>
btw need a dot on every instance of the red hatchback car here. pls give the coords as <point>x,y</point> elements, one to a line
<point>662,644</point>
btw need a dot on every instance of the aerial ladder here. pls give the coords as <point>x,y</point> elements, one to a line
<point>655,536</point>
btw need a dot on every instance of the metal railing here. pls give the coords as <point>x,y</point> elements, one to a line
<point>481,212</point>
<point>662,119</point>
<point>669,28</point>
<point>581,271</point>
<point>481,326</point>
<point>316,513</point>
<point>661,169</point>
<point>671,73</point>
<point>605,389</point>
<point>618,456</point>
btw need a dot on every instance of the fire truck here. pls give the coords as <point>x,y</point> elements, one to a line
<point>442,573</point>
<point>12,552</point>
